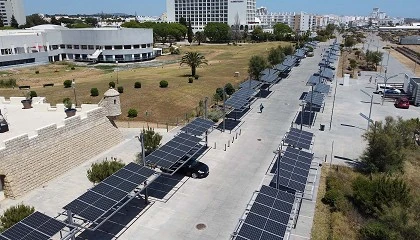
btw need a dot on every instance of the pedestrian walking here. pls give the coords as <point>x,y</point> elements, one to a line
<point>376,79</point>
<point>370,79</point>
<point>261,107</point>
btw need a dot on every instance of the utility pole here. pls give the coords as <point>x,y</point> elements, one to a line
<point>224,110</point>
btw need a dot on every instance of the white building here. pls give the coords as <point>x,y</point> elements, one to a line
<point>268,19</point>
<point>201,12</point>
<point>9,8</point>
<point>50,43</point>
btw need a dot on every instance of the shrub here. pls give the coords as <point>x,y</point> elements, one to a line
<point>33,94</point>
<point>8,83</point>
<point>73,68</point>
<point>376,230</point>
<point>100,171</point>
<point>190,80</point>
<point>175,51</point>
<point>229,89</point>
<point>214,115</point>
<point>120,89</point>
<point>36,72</point>
<point>111,84</point>
<point>132,113</point>
<point>137,85</point>
<point>94,92</point>
<point>196,77</point>
<point>67,83</point>
<point>14,215</point>
<point>67,103</point>
<point>163,84</point>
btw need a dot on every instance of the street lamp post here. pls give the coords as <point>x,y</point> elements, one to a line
<point>371,105</point>
<point>117,70</point>
<point>73,84</point>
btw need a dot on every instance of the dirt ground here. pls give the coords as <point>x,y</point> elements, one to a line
<point>406,62</point>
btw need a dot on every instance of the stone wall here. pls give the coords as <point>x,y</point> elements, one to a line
<point>28,163</point>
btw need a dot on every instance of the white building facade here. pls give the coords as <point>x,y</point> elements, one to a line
<point>9,8</point>
<point>50,43</point>
<point>201,12</point>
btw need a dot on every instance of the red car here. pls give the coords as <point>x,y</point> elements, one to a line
<point>402,103</point>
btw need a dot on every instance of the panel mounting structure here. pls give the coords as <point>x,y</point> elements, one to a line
<point>299,138</point>
<point>197,127</point>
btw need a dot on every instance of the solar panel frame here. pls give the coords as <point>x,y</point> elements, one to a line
<point>322,88</point>
<point>246,85</point>
<point>315,98</point>
<point>197,127</point>
<point>298,138</point>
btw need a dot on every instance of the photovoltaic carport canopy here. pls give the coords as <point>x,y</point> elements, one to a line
<point>299,138</point>
<point>36,226</point>
<point>322,88</point>
<point>269,75</point>
<point>300,53</point>
<point>294,168</point>
<point>250,84</point>
<point>315,98</point>
<point>197,127</point>
<point>327,73</point>
<point>173,151</point>
<point>96,202</point>
<point>289,61</point>
<point>281,68</point>
<point>240,98</point>
<point>313,80</point>
<point>269,215</point>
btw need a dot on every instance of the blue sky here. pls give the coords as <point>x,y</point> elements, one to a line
<point>402,8</point>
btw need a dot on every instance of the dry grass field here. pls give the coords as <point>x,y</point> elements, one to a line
<point>162,105</point>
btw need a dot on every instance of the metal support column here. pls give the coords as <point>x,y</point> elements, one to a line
<point>143,156</point>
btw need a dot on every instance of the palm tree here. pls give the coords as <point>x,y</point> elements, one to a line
<point>194,60</point>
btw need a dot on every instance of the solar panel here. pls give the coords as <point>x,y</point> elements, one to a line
<point>269,75</point>
<point>300,53</point>
<point>250,84</point>
<point>197,127</point>
<point>289,61</point>
<point>281,67</point>
<point>240,98</point>
<point>298,138</point>
<point>315,98</point>
<point>294,168</point>
<point>313,80</point>
<point>177,148</point>
<point>35,226</point>
<point>269,215</point>
<point>327,73</point>
<point>322,88</point>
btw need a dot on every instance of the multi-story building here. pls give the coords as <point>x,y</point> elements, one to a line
<point>50,43</point>
<point>267,20</point>
<point>201,12</point>
<point>304,22</point>
<point>9,8</point>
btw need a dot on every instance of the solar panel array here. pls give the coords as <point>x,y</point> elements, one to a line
<point>300,53</point>
<point>322,88</point>
<point>315,98</point>
<point>294,168</point>
<point>269,215</point>
<point>240,98</point>
<point>36,226</point>
<point>173,151</point>
<point>197,127</point>
<point>289,61</point>
<point>281,68</point>
<point>327,73</point>
<point>269,75</point>
<point>96,202</point>
<point>250,84</point>
<point>313,80</point>
<point>299,138</point>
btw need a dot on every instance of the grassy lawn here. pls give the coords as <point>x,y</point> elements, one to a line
<point>162,105</point>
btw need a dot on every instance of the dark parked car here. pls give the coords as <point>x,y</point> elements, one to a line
<point>194,169</point>
<point>402,103</point>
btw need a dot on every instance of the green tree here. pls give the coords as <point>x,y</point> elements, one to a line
<point>200,37</point>
<point>374,58</point>
<point>1,21</point>
<point>34,20</point>
<point>218,96</point>
<point>276,56</point>
<point>183,21</point>
<point>257,34</point>
<point>257,64</point>
<point>100,171</point>
<point>14,215</point>
<point>190,33</point>
<point>91,21</point>
<point>13,22</point>
<point>152,140</point>
<point>229,89</point>
<point>375,230</point>
<point>217,32</point>
<point>353,65</point>
<point>349,42</point>
<point>132,113</point>
<point>194,60</point>
<point>280,30</point>
<point>131,24</point>
<point>54,21</point>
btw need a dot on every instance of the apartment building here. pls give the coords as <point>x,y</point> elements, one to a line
<point>9,8</point>
<point>268,19</point>
<point>50,43</point>
<point>201,12</point>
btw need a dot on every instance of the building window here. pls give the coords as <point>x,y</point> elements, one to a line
<point>136,46</point>
<point>118,47</point>
<point>76,47</point>
<point>127,46</point>
<point>84,47</point>
<point>69,46</point>
<point>108,47</point>
<point>62,46</point>
<point>90,47</point>
<point>115,101</point>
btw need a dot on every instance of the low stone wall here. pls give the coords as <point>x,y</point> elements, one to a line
<point>28,163</point>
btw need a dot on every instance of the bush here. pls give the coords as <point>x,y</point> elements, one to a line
<point>334,196</point>
<point>67,83</point>
<point>11,83</point>
<point>137,85</point>
<point>376,230</point>
<point>67,103</point>
<point>73,68</point>
<point>190,80</point>
<point>111,84</point>
<point>36,72</point>
<point>163,84</point>
<point>14,215</point>
<point>132,113</point>
<point>175,51</point>
<point>196,77</point>
<point>33,94</point>
<point>120,89</point>
<point>94,92</point>
<point>100,171</point>
<point>229,89</point>
<point>214,115</point>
